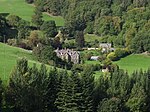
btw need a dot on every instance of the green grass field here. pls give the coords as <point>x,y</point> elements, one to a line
<point>8,59</point>
<point>134,62</point>
<point>25,11</point>
<point>93,52</point>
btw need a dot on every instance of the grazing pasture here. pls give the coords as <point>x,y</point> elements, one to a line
<point>134,62</point>
<point>8,59</point>
<point>25,11</point>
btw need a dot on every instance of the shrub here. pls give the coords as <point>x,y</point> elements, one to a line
<point>33,39</point>
<point>77,67</point>
<point>97,67</point>
<point>12,42</point>
<point>112,56</point>
<point>24,44</point>
<point>13,20</point>
<point>120,53</point>
<point>87,56</point>
<point>102,57</point>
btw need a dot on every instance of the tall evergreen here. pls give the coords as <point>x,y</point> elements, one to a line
<point>79,38</point>
<point>52,89</point>
<point>110,105</point>
<point>37,17</point>
<point>49,28</point>
<point>100,90</point>
<point>69,95</point>
<point>77,91</point>
<point>87,90</point>
<point>27,88</point>
<point>61,100</point>
<point>119,85</point>
<point>138,99</point>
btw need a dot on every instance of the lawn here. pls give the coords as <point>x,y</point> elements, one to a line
<point>93,52</point>
<point>89,62</point>
<point>134,62</point>
<point>25,11</point>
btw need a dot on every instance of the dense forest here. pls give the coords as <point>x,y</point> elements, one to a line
<point>125,23</point>
<point>68,87</point>
<point>40,90</point>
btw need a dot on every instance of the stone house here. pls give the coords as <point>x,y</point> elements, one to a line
<point>106,47</point>
<point>68,55</point>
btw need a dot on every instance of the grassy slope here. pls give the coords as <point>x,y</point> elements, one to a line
<point>134,62</point>
<point>25,11</point>
<point>8,57</point>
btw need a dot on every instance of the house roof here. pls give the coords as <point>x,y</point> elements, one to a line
<point>94,57</point>
<point>105,45</point>
<point>68,51</point>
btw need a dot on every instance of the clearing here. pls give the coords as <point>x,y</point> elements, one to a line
<point>8,59</point>
<point>25,11</point>
<point>134,62</point>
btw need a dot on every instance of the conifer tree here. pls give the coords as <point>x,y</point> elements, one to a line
<point>138,99</point>
<point>76,91</point>
<point>27,88</point>
<point>52,89</point>
<point>68,96</point>
<point>100,90</point>
<point>119,84</point>
<point>87,89</point>
<point>37,17</point>
<point>79,38</point>
<point>62,93</point>
<point>110,105</point>
<point>147,73</point>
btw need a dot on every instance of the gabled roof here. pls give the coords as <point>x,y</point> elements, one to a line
<point>105,45</point>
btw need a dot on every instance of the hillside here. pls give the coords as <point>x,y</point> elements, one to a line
<point>8,58</point>
<point>25,11</point>
<point>125,23</point>
<point>134,62</point>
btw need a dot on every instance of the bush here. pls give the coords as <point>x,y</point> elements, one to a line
<point>13,20</point>
<point>97,67</point>
<point>120,53</point>
<point>87,56</point>
<point>24,44</point>
<point>69,45</point>
<point>12,42</point>
<point>33,39</point>
<point>112,56</point>
<point>102,58</point>
<point>77,67</point>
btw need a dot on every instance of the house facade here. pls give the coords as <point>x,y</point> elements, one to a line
<point>68,55</point>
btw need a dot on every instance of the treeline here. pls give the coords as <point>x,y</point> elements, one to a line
<point>125,23</point>
<point>33,89</point>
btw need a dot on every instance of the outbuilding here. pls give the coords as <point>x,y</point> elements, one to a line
<point>94,58</point>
